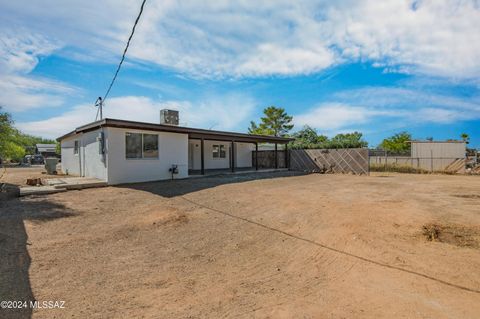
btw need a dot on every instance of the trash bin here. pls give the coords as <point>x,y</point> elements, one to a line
<point>51,165</point>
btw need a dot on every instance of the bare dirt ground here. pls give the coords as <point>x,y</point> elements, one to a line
<point>312,246</point>
<point>17,175</point>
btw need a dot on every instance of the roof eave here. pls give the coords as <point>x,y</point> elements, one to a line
<point>175,129</point>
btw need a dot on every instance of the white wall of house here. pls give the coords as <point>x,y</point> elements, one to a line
<point>243,154</point>
<point>70,161</point>
<point>172,149</point>
<point>88,161</point>
<point>94,163</point>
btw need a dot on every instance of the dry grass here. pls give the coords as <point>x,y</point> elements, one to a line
<point>458,235</point>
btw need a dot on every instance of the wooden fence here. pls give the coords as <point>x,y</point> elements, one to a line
<point>346,161</point>
<point>266,159</point>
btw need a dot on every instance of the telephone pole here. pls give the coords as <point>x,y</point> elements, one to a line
<point>99,104</point>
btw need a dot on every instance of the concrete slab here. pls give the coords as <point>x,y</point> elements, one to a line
<point>75,182</point>
<point>40,190</point>
<point>55,185</point>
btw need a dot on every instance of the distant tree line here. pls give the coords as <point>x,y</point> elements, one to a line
<point>14,144</point>
<point>308,138</point>
<point>276,122</point>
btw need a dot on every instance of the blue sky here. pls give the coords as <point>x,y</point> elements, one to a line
<point>375,67</point>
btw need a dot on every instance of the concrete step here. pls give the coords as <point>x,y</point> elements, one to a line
<point>55,185</point>
<point>40,190</point>
<point>81,185</point>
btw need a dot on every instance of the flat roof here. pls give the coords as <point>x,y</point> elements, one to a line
<point>193,133</point>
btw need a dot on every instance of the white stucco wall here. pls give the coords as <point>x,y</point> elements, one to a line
<point>89,161</point>
<point>70,162</point>
<point>93,161</point>
<point>172,149</point>
<point>243,152</point>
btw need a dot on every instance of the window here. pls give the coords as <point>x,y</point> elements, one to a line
<point>150,145</point>
<point>139,145</point>
<point>75,147</point>
<point>219,151</point>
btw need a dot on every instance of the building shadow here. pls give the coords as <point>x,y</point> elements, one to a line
<point>14,257</point>
<point>179,187</point>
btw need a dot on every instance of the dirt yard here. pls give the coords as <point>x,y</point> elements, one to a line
<point>17,175</point>
<point>283,246</point>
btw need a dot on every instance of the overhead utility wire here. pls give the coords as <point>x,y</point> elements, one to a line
<point>100,101</point>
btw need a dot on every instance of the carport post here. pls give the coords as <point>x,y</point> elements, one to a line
<point>276,156</point>
<point>286,156</point>
<point>202,160</point>
<point>233,156</point>
<point>256,156</point>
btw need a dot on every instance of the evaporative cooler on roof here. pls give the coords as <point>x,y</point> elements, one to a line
<point>169,117</point>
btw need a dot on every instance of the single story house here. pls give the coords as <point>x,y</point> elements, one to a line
<point>46,150</point>
<point>119,151</point>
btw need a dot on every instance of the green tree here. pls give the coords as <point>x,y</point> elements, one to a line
<point>399,142</point>
<point>6,131</point>
<point>465,138</point>
<point>347,140</point>
<point>307,137</point>
<point>12,151</point>
<point>276,122</point>
<point>13,143</point>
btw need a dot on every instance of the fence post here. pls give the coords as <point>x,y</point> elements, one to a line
<point>386,160</point>
<point>431,160</point>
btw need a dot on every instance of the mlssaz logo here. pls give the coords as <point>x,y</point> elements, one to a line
<point>47,304</point>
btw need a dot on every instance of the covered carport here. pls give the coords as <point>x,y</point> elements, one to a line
<point>234,141</point>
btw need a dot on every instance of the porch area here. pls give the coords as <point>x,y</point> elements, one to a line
<point>214,154</point>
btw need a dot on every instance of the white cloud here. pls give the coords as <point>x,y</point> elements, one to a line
<point>334,116</point>
<point>376,107</point>
<point>19,55</point>
<point>20,50</point>
<point>436,37</point>
<point>406,98</point>
<point>252,38</point>
<point>221,113</point>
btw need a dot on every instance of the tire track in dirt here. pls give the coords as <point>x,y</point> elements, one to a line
<point>371,261</point>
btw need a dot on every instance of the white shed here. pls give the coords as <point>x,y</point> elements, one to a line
<point>437,155</point>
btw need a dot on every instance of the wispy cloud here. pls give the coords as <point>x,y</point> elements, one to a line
<point>394,107</point>
<point>19,55</point>
<point>251,38</point>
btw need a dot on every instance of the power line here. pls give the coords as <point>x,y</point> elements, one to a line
<point>100,101</point>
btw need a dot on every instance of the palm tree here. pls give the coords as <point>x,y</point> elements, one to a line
<point>465,137</point>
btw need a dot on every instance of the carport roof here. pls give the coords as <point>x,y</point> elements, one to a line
<point>193,133</point>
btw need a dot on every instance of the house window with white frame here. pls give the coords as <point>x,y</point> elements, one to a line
<point>219,151</point>
<point>138,145</point>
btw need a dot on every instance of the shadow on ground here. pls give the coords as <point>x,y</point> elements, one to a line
<point>15,260</point>
<point>172,188</point>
